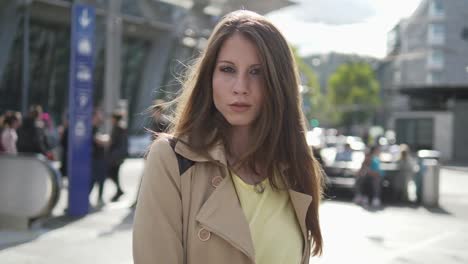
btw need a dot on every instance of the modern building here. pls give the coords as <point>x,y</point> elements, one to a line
<point>424,79</point>
<point>137,46</point>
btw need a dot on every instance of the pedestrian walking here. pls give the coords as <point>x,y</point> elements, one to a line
<point>234,181</point>
<point>407,171</point>
<point>31,135</point>
<point>98,163</point>
<point>9,137</point>
<point>118,150</point>
<point>2,126</point>
<point>370,174</point>
<point>63,132</point>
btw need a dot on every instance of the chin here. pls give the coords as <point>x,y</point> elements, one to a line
<point>239,122</point>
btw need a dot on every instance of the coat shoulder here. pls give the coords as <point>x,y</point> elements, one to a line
<point>160,147</point>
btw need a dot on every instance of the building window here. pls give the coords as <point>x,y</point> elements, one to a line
<point>434,78</point>
<point>435,60</point>
<point>464,33</point>
<point>397,77</point>
<point>436,34</point>
<point>436,9</point>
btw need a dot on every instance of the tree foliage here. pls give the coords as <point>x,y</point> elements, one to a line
<point>354,92</point>
<point>315,104</point>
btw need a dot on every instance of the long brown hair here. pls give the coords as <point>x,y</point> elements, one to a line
<point>278,135</point>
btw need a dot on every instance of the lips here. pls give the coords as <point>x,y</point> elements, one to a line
<point>239,107</point>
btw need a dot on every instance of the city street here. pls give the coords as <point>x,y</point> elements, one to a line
<point>395,234</point>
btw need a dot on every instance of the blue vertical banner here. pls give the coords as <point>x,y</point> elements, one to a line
<point>80,103</point>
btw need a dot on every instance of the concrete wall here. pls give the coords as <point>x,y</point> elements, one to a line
<point>443,129</point>
<point>460,139</point>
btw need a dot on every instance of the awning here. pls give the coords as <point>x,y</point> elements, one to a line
<point>450,91</point>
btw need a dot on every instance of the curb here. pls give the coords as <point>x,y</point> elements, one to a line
<point>456,168</point>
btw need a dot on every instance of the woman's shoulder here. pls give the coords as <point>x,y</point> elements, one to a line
<point>162,145</point>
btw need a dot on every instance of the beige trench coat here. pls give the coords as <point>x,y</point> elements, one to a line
<point>188,212</point>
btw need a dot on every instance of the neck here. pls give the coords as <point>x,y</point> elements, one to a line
<point>238,142</point>
<point>238,145</point>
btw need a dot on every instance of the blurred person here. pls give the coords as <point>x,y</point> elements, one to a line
<point>2,119</point>
<point>407,168</point>
<point>359,184</point>
<point>50,130</point>
<point>2,126</point>
<point>118,150</point>
<point>31,134</point>
<point>370,173</point>
<point>418,179</point>
<point>63,136</point>
<point>98,156</point>
<point>365,136</point>
<point>9,137</point>
<point>235,181</point>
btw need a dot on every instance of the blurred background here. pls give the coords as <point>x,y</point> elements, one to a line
<point>387,73</point>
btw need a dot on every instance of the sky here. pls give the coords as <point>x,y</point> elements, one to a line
<point>345,26</point>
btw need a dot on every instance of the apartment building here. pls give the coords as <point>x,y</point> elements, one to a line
<point>424,79</point>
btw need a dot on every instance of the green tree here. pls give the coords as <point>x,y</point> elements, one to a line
<point>354,93</point>
<point>315,104</point>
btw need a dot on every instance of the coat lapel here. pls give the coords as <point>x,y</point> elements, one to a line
<point>222,214</point>
<point>301,203</point>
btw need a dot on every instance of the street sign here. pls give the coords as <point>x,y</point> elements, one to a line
<point>80,108</point>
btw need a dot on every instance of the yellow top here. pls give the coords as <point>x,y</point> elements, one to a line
<point>276,234</point>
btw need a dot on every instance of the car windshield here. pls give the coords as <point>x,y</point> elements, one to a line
<point>344,155</point>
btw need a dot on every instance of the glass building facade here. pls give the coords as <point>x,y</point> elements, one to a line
<point>46,51</point>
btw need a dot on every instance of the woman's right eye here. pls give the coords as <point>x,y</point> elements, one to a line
<point>227,69</point>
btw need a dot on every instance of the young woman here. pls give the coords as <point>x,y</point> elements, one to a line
<point>235,182</point>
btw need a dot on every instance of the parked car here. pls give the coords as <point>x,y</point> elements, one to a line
<point>342,161</point>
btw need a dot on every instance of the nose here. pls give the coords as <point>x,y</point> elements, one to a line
<point>241,86</point>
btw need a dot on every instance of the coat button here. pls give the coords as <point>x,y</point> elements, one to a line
<point>216,181</point>
<point>204,234</point>
<point>309,235</point>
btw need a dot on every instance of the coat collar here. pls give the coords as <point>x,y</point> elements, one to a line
<point>222,213</point>
<point>216,153</point>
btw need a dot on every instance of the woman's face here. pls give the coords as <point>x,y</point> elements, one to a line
<point>238,85</point>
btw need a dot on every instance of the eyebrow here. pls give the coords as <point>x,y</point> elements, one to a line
<point>230,62</point>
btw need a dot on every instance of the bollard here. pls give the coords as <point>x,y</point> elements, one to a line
<point>430,183</point>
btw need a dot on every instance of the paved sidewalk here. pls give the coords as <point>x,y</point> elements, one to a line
<point>103,236</point>
<point>396,234</point>
<point>456,168</point>
<point>393,235</point>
